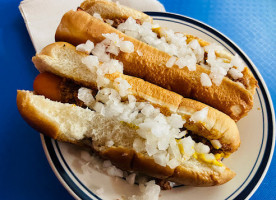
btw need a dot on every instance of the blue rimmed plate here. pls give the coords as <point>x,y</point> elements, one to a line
<point>250,162</point>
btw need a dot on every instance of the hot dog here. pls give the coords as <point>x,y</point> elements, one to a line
<point>232,94</point>
<point>123,119</point>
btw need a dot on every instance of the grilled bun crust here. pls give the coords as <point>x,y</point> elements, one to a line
<point>230,97</point>
<point>69,123</point>
<point>110,10</point>
<point>62,59</point>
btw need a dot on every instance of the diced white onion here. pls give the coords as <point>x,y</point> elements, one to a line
<point>205,80</point>
<point>200,116</point>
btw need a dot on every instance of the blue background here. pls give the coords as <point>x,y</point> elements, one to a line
<point>24,170</point>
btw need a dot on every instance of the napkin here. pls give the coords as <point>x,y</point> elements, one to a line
<point>43,16</point>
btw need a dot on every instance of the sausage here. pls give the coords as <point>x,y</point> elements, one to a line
<point>48,84</point>
<point>57,88</point>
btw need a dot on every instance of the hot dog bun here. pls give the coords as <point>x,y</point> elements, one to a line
<point>74,124</point>
<point>110,10</point>
<point>64,60</point>
<point>230,97</point>
<point>113,11</point>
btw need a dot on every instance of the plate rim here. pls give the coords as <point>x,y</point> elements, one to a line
<point>251,187</point>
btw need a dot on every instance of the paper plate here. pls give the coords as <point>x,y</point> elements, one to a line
<point>250,162</point>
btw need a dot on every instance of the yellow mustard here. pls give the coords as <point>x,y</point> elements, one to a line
<point>201,157</point>
<point>133,126</point>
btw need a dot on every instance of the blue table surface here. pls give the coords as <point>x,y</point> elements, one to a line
<point>24,170</point>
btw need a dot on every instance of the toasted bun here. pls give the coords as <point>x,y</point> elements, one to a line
<point>111,10</point>
<point>69,123</point>
<point>62,59</point>
<point>230,98</point>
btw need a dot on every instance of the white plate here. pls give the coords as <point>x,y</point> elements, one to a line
<point>250,162</point>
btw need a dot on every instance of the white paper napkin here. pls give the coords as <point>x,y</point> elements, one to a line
<point>43,16</point>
